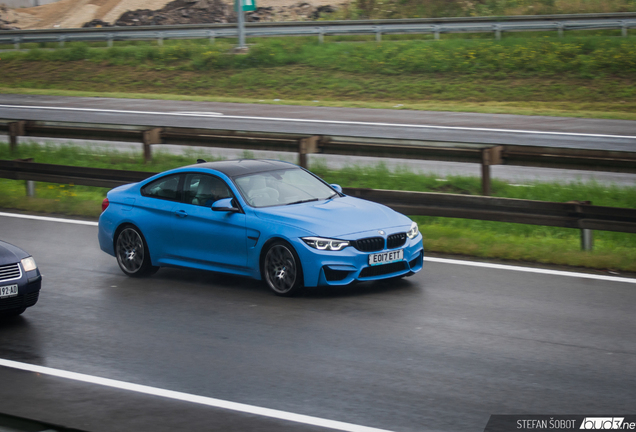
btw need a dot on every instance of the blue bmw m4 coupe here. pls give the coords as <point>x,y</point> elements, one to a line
<point>265,219</point>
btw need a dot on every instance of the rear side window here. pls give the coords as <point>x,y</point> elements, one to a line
<point>202,189</point>
<point>166,188</point>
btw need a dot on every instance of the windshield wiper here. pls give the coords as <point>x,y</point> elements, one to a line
<point>303,201</point>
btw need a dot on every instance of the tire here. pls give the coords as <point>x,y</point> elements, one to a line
<point>132,253</point>
<point>282,270</point>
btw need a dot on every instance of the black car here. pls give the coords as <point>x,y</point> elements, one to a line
<point>20,280</point>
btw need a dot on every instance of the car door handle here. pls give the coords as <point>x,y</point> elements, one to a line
<point>181,213</point>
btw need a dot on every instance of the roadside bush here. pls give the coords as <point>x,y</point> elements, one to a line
<point>587,57</point>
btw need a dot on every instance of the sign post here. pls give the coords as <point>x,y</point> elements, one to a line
<point>241,6</point>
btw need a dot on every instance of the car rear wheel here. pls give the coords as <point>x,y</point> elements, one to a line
<point>132,253</point>
<point>282,270</point>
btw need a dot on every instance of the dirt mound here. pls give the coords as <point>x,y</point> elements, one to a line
<point>180,12</point>
<point>12,20</point>
<point>74,13</point>
<point>295,12</point>
<point>217,11</point>
<point>105,13</point>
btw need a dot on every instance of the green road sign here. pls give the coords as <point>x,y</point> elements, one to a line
<point>248,5</point>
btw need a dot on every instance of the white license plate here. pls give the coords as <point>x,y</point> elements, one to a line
<point>8,291</point>
<point>386,257</point>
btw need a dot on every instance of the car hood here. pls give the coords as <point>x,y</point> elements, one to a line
<point>336,217</point>
<point>10,254</point>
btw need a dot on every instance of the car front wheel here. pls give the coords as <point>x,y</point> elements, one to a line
<point>132,253</point>
<point>282,270</point>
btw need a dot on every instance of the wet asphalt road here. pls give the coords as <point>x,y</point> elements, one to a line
<point>440,351</point>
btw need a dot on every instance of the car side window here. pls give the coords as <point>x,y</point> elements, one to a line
<point>166,188</point>
<point>203,189</point>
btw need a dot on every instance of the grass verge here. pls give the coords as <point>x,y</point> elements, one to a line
<point>496,240</point>
<point>575,77</point>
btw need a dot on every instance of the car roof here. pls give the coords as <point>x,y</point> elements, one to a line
<point>235,168</point>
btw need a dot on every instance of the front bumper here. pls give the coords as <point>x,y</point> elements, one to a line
<point>343,267</point>
<point>28,294</point>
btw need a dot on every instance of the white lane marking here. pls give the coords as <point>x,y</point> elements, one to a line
<point>431,259</point>
<point>201,400</point>
<point>531,270</point>
<point>200,113</point>
<point>342,122</point>
<point>48,219</point>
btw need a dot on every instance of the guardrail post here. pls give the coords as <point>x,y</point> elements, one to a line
<point>587,239</point>
<point>497,29</point>
<point>305,147</point>
<point>436,32</point>
<point>30,188</point>
<point>151,136</point>
<point>560,27</point>
<point>587,235</point>
<point>624,28</point>
<point>211,36</point>
<point>489,156</point>
<point>321,35</point>
<point>159,38</point>
<point>16,43</point>
<point>61,40</point>
<point>30,184</point>
<point>16,129</point>
<point>110,40</point>
<point>378,34</point>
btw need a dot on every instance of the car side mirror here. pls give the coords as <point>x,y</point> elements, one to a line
<point>224,204</point>
<point>337,187</point>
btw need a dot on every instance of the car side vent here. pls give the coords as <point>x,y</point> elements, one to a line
<point>10,272</point>
<point>417,261</point>
<point>370,244</point>
<point>395,240</point>
<point>335,275</point>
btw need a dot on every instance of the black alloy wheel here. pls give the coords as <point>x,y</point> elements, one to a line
<point>282,270</point>
<point>132,253</point>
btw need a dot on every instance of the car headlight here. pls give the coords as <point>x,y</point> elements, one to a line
<point>413,232</point>
<point>325,243</point>
<point>29,264</point>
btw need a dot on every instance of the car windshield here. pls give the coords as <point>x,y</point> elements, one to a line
<point>282,187</point>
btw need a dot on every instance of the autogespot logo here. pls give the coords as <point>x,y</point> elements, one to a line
<point>605,423</point>
<point>562,423</point>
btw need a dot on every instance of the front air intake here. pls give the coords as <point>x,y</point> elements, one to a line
<point>395,240</point>
<point>371,244</point>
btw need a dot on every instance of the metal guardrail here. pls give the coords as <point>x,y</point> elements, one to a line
<point>485,154</point>
<point>579,215</point>
<point>435,26</point>
<point>575,214</point>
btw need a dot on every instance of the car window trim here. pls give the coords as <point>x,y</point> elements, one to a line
<point>179,197</point>
<point>227,184</point>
